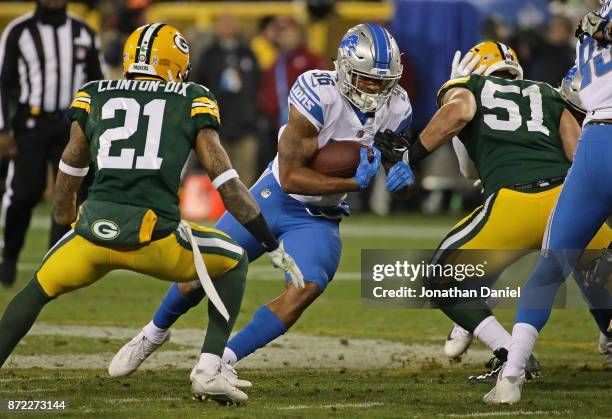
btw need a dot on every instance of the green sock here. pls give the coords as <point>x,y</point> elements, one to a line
<point>19,316</point>
<point>469,317</point>
<point>230,287</point>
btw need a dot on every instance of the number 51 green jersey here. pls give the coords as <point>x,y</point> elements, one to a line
<point>514,135</point>
<point>140,134</point>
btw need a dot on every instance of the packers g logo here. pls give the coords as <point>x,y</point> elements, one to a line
<point>105,229</point>
<point>180,42</point>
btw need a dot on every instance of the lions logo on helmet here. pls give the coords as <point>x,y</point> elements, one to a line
<point>498,57</point>
<point>368,51</point>
<point>157,50</point>
<point>350,44</point>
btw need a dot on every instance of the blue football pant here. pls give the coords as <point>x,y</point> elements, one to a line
<point>583,206</point>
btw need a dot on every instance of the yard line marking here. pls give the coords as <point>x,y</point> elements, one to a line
<point>256,273</point>
<point>331,406</point>
<point>407,230</point>
<point>511,413</point>
<point>141,399</point>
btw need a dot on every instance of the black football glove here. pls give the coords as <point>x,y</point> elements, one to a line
<point>391,145</point>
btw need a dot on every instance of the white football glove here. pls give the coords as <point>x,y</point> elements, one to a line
<point>283,260</point>
<point>590,24</point>
<point>466,65</point>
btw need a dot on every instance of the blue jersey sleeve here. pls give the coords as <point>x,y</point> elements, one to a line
<point>304,96</point>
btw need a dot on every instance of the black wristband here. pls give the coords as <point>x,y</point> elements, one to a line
<point>417,152</point>
<point>259,228</point>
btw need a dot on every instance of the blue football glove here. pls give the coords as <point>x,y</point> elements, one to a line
<point>366,170</point>
<point>399,177</point>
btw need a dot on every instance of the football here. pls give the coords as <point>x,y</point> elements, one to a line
<point>338,159</point>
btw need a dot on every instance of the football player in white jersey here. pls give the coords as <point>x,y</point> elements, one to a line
<point>583,205</point>
<point>302,206</point>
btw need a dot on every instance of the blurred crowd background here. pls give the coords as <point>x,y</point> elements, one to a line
<point>249,53</point>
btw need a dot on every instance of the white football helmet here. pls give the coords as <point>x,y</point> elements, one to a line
<point>368,51</point>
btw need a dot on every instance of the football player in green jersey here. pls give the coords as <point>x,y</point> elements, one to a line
<point>521,139</point>
<point>137,134</point>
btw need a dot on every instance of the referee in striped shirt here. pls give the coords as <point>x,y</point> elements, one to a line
<point>45,57</point>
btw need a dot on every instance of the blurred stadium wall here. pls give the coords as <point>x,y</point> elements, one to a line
<point>428,33</point>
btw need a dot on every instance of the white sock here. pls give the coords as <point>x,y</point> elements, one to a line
<point>492,333</point>
<point>210,363</point>
<point>154,333</point>
<point>229,357</point>
<point>524,337</point>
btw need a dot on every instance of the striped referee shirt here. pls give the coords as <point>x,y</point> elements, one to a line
<point>42,66</point>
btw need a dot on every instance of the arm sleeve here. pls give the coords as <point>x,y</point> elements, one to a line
<point>81,106</point>
<point>304,96</point>
<point>9,54</point>
<point>204,109</point>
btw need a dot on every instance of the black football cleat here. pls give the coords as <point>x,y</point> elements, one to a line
<point>495,364</point>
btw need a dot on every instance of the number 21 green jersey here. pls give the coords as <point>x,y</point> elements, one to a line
<point>140,134</point>
<point>514,135</point>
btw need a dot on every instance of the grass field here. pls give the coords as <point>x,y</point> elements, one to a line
<point>339,360</point>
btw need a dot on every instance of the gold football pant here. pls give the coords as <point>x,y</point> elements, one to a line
<point>512,221</point>
<point>504,229</point>
<point>75,262</point>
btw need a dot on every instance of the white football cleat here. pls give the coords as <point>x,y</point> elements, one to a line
<point>231,375</point>
<point>506,391</point>
<point>215,387</point>
<point>605,348</point>
<point>457,342</point>
<point>133,353</point>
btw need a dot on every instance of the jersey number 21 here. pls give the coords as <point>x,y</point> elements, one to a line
<point>125,160</point>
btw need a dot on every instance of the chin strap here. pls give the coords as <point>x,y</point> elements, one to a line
<point>200,267</point>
